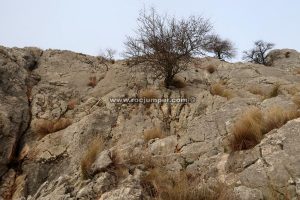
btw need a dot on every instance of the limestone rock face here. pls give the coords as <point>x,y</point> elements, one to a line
<point>15,85</point>
<point>43,157</point>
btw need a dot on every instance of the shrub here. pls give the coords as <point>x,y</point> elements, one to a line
<point>210,69</point>
<point>92,81</point>
<point>223,49</point>
<point>153,133</point>
<point>93,150</point>
<point>287,54</point>
<point>178,83</point>
<point>43,127</point>
<point>247,130</point>
<point>220,90</point>
<point>259,54</point>
<point>166,45</point>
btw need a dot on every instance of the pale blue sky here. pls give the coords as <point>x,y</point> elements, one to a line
<point>90,25</point>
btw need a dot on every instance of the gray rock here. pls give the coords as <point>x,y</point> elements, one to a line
<point>244,193</point>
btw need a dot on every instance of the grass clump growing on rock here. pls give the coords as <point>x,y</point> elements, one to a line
<point>90,156</point>
<point>43,127</point>
<point>162,185</point>
<point>276,117</point>
<point>255,89</point>
<point>153,133</point>
<point>247,131</point>
<point>220,90</point>
<point>92,81</point>
<point>296,100</point>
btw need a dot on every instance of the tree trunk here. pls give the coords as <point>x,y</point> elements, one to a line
<point>168,81</point>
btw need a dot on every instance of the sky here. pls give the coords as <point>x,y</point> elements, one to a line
<point>90,26</point>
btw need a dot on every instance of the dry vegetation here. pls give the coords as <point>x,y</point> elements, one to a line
<point>153,133</point>
<point>72,104</point>
<point>249,129</point>
<point>90,156</point>
<point>178,82</point>
<point>162,185</point>
<point>276,117</point>
<point>210,69</point>
<point>148,94</point>
<point>43,127</point>
<point>297,71</point>
<point>274,92</point>
<point>220,90</point>
<point>92,81</point>
<point>257,90</point>
<point>296,100</point>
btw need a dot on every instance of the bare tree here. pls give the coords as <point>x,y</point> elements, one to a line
<point>166,45</point>
<point>259,54</point>
<point>223,49</point>
<point>107,57</point>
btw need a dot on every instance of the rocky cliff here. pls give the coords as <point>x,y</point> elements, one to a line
<point>62,138</point>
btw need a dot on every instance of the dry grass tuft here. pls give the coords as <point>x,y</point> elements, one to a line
<point>43,127</point>
<point>220,90</point>
<point>93,150</point>
<point>148,94</point>
<point>162,185</point>
<point>153,133</point>
<point>296,100</point>
<point>287,54</point>
<point>251,126</point>
<point>275,91</point>
<point>210,69</point>
<point>92,81</point>
<point>247,131</point>
<point>276,117</point>
<point>72,104</point>
<point>297,71</point>
<point>255,89</point>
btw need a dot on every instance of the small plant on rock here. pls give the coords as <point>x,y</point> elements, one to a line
<point>43,127</point>
<point>247,130</point>
<point>92,81</point>
<point>153,133</point>
<point>93,150</point>
<point>220,90</point>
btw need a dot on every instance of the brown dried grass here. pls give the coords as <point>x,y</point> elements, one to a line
<point>163,185</point>
<point>220,90</point>
<point>153,133</point>
<point>92,81</point>
<point>247,130</point>
<point>43,127</point>
<point>93,150</point>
